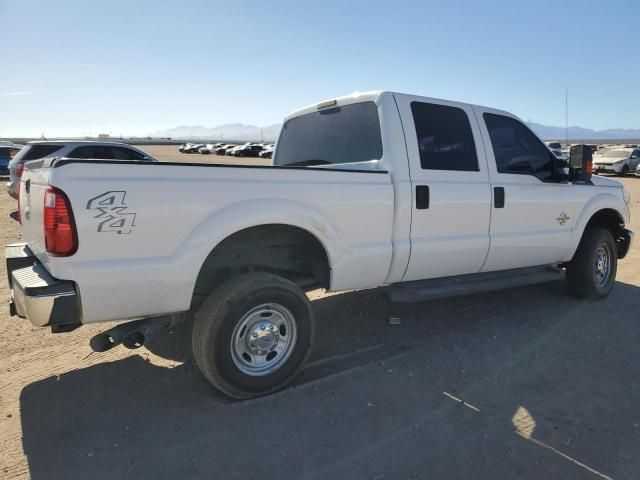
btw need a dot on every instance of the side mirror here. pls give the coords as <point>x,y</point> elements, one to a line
<point>581,162</point>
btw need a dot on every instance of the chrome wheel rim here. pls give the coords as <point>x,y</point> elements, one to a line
<point>602,265</point>
<point>263,339</point>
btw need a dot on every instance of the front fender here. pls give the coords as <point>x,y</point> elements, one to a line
<point>599,202</point>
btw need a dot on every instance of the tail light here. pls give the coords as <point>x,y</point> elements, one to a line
<point>60,236</point>
<point>19,170</point>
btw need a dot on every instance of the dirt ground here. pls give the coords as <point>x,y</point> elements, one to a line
<point>525,383</point>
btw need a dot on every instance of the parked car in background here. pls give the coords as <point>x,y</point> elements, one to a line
<point>267,152</point>
<point>75,149</point>
<point>230,152</point>
<point>193,148</point>
<point>556,149</point>
<point>221,150</point>
<point>209,148</point>
<point>7,152</point>
<point>248,150</point>
<point>617,160</point>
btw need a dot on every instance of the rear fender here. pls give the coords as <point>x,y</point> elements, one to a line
<point>239,216</point>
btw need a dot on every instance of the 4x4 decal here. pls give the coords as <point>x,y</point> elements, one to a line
<point>112,212</point>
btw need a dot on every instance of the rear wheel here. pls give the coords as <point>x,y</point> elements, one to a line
<point>592,271</point>
<point>253,334</point>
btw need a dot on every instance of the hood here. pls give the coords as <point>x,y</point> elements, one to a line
<point>605,182</point>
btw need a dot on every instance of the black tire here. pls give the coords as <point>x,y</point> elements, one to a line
<point>583,276</point>
<point>224,309</point>
<point>625,170</point>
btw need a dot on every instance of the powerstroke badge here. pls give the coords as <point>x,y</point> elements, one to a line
<point>112,212</point>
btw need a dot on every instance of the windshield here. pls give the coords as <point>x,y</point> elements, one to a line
<point>346,134</point>
<point>616,154</point>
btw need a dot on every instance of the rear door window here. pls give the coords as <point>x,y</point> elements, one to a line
<point>341,134</point>
<point>445,139</point>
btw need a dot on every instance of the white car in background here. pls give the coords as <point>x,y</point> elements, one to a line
<point>617,160</point>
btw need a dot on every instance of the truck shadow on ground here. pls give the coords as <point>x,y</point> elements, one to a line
<point>440,395</point>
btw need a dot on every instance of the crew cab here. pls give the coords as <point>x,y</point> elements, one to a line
<point>421,196</point>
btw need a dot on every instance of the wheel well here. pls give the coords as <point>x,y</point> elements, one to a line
<point>607,218</point>
<point>610,220</point>
<point>288,251</point>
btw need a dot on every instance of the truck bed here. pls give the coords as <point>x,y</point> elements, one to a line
<point>145,229</point>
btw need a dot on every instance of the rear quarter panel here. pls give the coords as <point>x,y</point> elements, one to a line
<point>145,229</point>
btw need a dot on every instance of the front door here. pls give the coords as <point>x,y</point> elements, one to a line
<point>532,209</point>
<point>450,187</point>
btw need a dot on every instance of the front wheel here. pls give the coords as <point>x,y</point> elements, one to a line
<point>253,334</point>
<point>625,170</point>
<point>592,271</point>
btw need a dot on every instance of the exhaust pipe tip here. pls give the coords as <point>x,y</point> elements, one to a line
<point>133,340</point>
<point>101,342</point>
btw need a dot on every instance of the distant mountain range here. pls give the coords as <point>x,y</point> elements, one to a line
<point>579,133</point>
<point>239,131</point>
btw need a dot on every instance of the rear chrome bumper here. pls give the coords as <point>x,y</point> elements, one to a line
<point>45,301</point>
<point>624,243</point>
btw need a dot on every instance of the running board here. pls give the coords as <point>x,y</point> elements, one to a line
<point>423,290</point>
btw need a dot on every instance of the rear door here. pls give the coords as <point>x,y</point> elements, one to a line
<point>532,211</point>
<point>450,186</point>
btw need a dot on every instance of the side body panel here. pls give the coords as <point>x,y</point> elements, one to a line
<point>145,229</point>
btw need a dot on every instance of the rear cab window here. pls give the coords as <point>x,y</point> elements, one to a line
<point>336,135</point>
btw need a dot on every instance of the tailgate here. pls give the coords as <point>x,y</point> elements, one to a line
<point>33,185</point>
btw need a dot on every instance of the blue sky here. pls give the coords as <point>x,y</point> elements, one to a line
<point>132,67</point>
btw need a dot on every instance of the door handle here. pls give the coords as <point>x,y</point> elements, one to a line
<point>498,197</point>
<point>422,197</point>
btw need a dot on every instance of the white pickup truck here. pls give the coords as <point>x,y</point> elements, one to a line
<point>425,197</point>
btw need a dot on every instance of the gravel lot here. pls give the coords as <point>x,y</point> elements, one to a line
<point>526,383</point>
